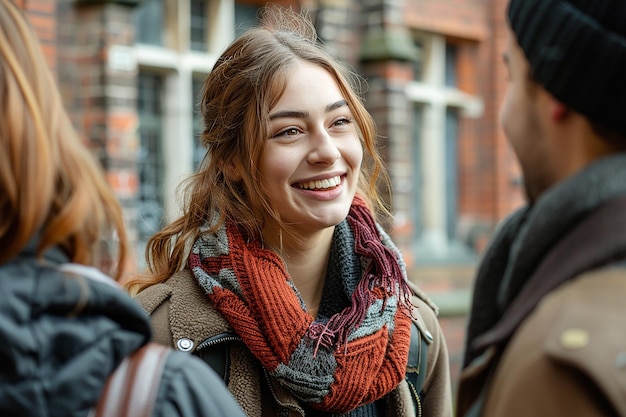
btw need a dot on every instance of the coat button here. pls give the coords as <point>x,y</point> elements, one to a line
<point>574,338</point>
<point>184,344</point>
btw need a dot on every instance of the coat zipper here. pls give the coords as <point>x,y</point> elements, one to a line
<point>418,401</point>
<point>220,338</point>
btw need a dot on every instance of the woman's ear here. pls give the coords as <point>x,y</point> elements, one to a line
<point>231,170</point>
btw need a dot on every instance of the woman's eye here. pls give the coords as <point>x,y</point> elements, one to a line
<point>343,121</point>
<point>291,131</point>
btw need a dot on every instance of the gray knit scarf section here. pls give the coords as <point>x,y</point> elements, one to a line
<point>342,276</point>
<point>528,235</point>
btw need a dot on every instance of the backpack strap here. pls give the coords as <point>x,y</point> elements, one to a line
<point>416,367</point>
<point>131,389</point>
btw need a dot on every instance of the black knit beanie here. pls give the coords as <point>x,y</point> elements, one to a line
<point>576,50</point>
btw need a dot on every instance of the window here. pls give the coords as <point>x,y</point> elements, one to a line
<point>150,212</point>
<point>198,25</point>
<point>451,65</point>
<point>438,107</point>
<point>177,44</point>
<point>198,148</point>
<point>245,17</point>
<point>417,175</point>
<point>418,65</point>
<point>148,16</point>
<point>452,171</point>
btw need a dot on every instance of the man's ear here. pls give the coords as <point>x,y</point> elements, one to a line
<point>557,110</point>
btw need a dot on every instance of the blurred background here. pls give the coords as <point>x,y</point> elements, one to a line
<point>130,72</point>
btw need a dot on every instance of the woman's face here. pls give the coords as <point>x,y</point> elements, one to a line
<point>310,162</point>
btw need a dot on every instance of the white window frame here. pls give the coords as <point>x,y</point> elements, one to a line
<point>436,97</point>
<point>178,63</point>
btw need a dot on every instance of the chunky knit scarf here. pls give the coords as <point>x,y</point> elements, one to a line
<point>334,364</point>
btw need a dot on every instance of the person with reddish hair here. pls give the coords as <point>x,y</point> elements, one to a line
<point>65,326</point>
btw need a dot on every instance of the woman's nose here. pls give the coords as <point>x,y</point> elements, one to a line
<point>324,150</point>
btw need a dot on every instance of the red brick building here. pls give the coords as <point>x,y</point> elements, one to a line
<point>129,71</point>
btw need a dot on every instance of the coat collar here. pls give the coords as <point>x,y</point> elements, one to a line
<point>598,240</point>
<point>191,316</point>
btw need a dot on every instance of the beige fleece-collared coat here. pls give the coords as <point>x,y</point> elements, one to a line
<point>183,317</point>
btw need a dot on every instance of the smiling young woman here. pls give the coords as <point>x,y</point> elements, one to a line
<point>277,262</point>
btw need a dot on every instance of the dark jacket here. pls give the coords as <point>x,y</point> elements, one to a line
<point>63,334</point>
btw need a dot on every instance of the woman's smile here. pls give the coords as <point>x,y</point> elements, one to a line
<point>319,185</point>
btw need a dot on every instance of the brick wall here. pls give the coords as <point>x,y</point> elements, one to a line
<point>97,76</point>
<point>42,15</point>
<point>466,19</point>
<point>76,41</point>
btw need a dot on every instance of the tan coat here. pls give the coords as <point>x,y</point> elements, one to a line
<point>567,358</point>
<point>181,315</point>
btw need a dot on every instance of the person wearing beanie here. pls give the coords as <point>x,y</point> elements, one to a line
<point>545,336</point>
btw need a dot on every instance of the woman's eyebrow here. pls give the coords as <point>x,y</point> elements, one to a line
<point>289,114</point>
<point>296,114</point>
<point>336,105</point>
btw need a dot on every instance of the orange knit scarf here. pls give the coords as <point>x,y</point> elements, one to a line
<point>355,357</point>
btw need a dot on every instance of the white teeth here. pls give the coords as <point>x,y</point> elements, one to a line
<point>320,184</point>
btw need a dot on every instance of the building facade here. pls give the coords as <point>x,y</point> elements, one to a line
<point>130,72</point>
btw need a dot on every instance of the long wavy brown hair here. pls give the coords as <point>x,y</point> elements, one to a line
<point>246,82</point>
<point>52,190</point>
